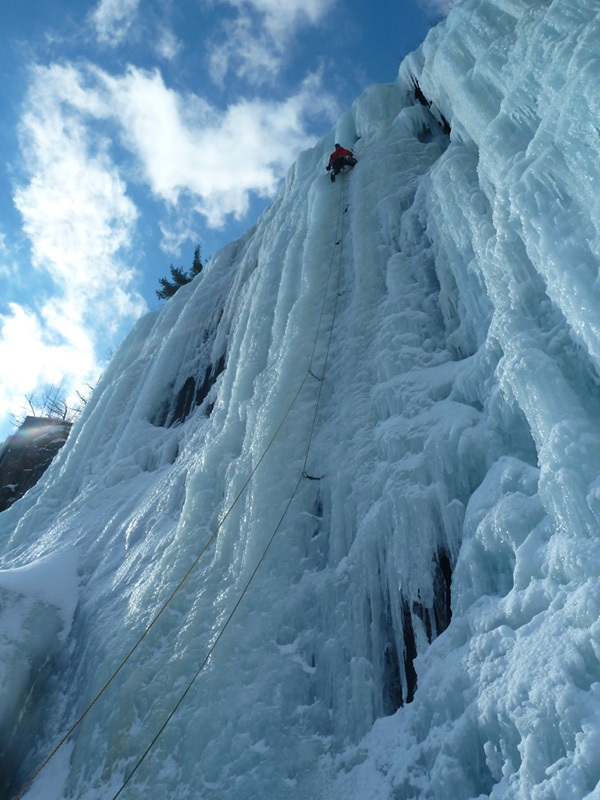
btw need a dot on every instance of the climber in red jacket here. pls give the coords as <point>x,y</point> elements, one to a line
<point>339,159</point>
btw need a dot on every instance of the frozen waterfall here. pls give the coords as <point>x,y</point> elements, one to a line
<point>329,526</point>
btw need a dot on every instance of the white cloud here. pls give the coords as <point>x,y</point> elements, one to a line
<point>5,270</point>
<point>252,52</point>
<point>113,18</point>
<point>286,16</point>
<point>76,201</point>
<point>32,356</point>
<point>75,209</point>
<point>217,158</point>
<point>78,219</point>
<point>256,43</point>
<point>168,45</point>
<point>113,22</point>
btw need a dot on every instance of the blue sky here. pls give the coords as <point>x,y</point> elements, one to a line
<point>132,130</point>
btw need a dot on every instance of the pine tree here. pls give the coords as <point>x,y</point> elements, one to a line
<point>197,263</point>
<point>179,277</point>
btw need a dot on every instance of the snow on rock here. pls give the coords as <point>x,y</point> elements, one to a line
<point>348,479</point>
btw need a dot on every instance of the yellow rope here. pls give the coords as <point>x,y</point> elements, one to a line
<point>282,517</point>
<point>220,524</point>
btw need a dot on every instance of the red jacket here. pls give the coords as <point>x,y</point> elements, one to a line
<point>339,152</point>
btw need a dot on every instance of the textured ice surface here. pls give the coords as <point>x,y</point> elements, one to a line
<point>423,338</point>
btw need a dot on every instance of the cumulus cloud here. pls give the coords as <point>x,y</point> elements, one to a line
<point>255,44</point>
<point>113,18</point>
<point>214,158</point>
<point>286,17</point>
<point>183,147</point>
<point>75,209</point>
<point>79,222</point>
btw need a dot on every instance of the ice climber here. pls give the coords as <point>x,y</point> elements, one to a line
<point>339,159</point>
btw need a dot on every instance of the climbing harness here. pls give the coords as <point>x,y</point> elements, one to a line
<point>303,475</point>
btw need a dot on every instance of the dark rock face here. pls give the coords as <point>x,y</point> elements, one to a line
<point>27,454</point>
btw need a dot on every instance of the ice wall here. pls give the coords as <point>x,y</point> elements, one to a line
<point>380,402</point>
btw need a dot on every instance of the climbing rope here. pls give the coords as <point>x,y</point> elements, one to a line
<point>285,510</point>
<point>309,373</point>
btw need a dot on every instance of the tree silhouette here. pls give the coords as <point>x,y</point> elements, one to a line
<point>179,277</point>
<point>197,263</point>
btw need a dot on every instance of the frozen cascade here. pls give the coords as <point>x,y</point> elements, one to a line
<point>426,332</point>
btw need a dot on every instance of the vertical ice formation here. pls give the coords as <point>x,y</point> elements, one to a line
<point>385,397</point>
